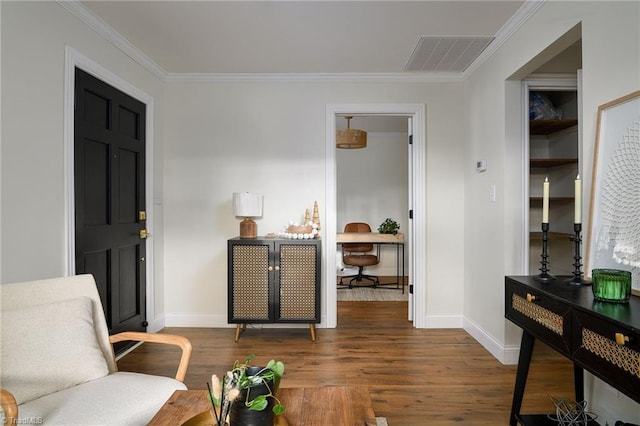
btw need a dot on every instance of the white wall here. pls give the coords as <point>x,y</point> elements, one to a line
<point>34,36</point>
<point>220,138</point>
<point>611,68</point>
<point>269,137</point>
<point>372,185</point>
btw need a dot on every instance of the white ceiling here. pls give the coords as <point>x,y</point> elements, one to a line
<point>401,39</point>
<point>211,37</point>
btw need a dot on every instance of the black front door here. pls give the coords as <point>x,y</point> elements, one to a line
<point>109,159</point>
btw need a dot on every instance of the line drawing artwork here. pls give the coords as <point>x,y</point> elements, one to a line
<point>614,230</point>
<point>619,232</point>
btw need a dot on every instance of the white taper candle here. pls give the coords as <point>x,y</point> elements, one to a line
<point>578,196</point>
<point>545,200</point>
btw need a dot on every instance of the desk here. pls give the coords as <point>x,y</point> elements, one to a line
<point>313,406</point>
<point>376,238</point>
<point>602,338</point>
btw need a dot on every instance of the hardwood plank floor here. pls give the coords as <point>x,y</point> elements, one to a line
<point>415,377</point>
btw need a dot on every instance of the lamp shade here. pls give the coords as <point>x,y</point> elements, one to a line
<point>246,204</point>
<point>351,138</point>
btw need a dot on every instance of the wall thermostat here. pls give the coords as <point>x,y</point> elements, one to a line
<point>481,165</point>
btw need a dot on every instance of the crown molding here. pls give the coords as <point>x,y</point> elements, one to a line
<point>315,77</point>
<point>119,41</point>
<point>528,9</point>
<point>111,35</point>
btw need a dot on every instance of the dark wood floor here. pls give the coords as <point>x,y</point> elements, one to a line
<point>415,377</point>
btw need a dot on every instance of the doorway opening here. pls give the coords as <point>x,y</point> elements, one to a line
<point>372,188</point>
<point>548,86</point>
<point>415,234</point>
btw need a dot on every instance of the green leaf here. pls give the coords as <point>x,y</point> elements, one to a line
<point>277,367</point>
<point>259,403</point>
<point>278,409</point>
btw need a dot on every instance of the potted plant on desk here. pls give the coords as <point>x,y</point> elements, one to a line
<point>246,394</point>
<point>389,226</point>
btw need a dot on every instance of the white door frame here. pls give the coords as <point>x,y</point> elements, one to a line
<point>419,238</point>
<point>410,225</point>
<point>74,59</point>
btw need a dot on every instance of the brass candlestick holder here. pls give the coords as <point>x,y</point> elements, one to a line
<point>544,275</point>
<point>577,278</point>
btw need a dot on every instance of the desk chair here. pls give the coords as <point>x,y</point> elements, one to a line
<point>359,254</point>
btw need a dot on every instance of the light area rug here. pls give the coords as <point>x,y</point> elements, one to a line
<point>381,421</point>
<point>369,294</point>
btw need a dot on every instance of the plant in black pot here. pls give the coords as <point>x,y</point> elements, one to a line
<point>247,394</point>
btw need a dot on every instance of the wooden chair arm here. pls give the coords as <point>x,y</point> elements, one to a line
<point>170,339</point>
<point>9,406</point>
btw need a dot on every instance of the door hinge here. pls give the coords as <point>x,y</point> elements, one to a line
<point>410,288</point>
<point>142,215</point>
<point>410,139</point>
<point>411,214</point>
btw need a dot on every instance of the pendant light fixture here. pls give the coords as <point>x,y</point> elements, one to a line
<point>351,138</point>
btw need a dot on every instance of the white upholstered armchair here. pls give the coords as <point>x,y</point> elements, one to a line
<point>57,361</point>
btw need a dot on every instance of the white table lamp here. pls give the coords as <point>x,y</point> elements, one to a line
<point>248,206</point>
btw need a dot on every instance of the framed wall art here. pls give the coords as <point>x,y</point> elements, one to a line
<point>614,224</point>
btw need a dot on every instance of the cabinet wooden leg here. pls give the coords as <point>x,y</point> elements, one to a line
<point>239,329</point>
<point>312,329</point>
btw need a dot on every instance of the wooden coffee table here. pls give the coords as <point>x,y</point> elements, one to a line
<point>329,405</point>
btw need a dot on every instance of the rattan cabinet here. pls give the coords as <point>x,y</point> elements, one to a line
<point>273,281</point>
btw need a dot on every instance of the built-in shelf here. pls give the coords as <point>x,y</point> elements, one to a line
<point>551,162</point>
<point>553,152</point>
<point>546,127</point>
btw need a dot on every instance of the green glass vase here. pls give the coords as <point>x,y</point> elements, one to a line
<point>611,285</point>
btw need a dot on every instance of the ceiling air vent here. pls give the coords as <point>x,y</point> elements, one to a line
<point>446,54</point>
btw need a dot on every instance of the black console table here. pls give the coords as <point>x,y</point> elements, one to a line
<point>602,338</point>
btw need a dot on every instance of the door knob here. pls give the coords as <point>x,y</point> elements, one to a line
<point>144,234</point>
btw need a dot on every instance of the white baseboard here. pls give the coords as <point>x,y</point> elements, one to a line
<point>507,355</point>
<point>156,324</point>
<point>197,320</point>
<point>444,321</point>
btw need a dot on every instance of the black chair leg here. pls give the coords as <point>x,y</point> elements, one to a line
<point>359,277</point>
